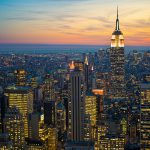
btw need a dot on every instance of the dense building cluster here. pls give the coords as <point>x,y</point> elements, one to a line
<point>76,101</point>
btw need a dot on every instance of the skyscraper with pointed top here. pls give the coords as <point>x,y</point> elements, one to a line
<point>117,89</point>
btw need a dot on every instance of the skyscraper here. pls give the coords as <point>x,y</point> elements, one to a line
<point>145,116</point>
<point>22,98</point>
<point>49,113</point>
<point>117,63</point>
<point>77,105</point>
<point>14,126</point>
<point>86,72</point>
<point>20,77</point>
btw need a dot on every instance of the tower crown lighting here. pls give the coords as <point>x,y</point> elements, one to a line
<point>117,39</point>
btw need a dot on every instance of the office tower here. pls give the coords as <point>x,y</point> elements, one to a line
<point>101,131</point>
<point>117,89</point>
<point>14,126</point>
<point>20,77</point>
<point>123,127</point>
<point>61,117</point>
<point>145,116</point>
<point>91,108</point>
<point>3,109</point>
<point>87,128</point>
<point>5,142</point>
<point>65,99</point>
<point>92,79</point>
<point>38,131</point>
<point>76,105</point>
<point>86,72</point>
<point>49,113</point>
<point>49,88</point>
<point>33,123</point>
<point>52,138</point>
<point>100,107</point>
<point>22,98</point>
<point>91,113</point>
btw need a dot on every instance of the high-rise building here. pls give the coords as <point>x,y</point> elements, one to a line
<point>117,89</point>
<point>90,119</point>
<point>49,88</point>
<point>20,77</point>
<point>76,105</point>
<point>100,106</point>
<point>49,113</point>
<point>86,72</point>
<point>145,116</point>
<point>52,138</point>
<point>91,108</point>
<point>34,125</point>
<point>14,126</point>
<point>61,117</point>
<point>22,98</point>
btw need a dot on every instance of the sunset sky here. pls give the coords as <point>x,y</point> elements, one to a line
<point>73,21</point>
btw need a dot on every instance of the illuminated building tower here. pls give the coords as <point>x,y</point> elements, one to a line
<point>20,77</point>
<point>90,108</point>
<point>145,116</point>
<point>123,127</point>
<point>91,111</point>
<point>49,113</point>
<point>52,138</point>
<point>117,63</point>
<point>101,130</point>
<point>76,107</point>
<point>61,117</point>
<point>22,98</point>
<point>38,131</point>
<point>100,107</point>
<point>14,126</point>
<point>49,88</point>
<point>86,72</point>
<point>92,79</point>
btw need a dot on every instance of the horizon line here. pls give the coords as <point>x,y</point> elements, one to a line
<point>66,44</point>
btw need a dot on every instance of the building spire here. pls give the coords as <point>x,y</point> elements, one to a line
<point>117,21</point>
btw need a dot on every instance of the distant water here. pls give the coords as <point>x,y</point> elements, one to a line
<point>46,49</point>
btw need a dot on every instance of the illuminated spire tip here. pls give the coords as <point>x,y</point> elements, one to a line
<point>117,20</point>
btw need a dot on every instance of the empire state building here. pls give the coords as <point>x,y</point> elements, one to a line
<point>117,89</point>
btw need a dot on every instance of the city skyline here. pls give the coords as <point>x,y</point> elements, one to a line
<point>73,22</point>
